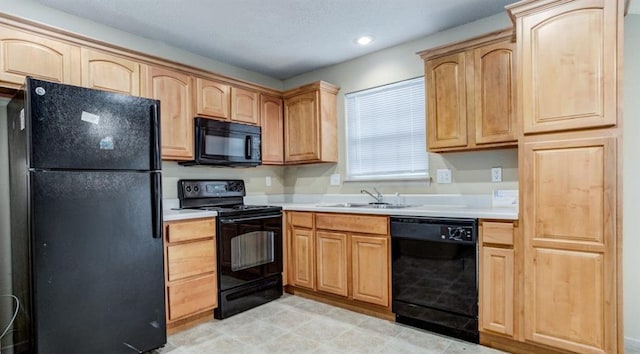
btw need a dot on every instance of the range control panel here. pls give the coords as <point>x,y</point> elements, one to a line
<point>195,189</point>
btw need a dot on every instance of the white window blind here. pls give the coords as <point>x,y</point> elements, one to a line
<point>386,136</point>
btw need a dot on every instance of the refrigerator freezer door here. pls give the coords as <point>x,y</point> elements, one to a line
<point>98,270</point>
<point>84,129</point>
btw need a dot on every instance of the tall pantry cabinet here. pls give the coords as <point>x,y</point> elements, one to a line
<point>569,65</point>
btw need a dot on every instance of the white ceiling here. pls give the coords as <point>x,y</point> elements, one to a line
<point>280,38</point>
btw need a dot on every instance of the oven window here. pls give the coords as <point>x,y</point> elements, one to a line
<point>232,146</point>
<point>252,249</point>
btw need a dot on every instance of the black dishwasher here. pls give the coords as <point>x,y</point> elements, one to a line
<point>434,274</point>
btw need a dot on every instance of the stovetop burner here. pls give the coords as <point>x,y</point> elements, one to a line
<point>222,196</point>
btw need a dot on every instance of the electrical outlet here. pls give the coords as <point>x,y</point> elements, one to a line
<point>267,181</point>
<point>496,174</point>
<point>335,179</point>
<point>444,176</point>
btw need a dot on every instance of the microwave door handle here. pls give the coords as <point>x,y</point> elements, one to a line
<point>247,143</point>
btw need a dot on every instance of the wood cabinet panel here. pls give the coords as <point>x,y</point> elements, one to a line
<point>494,93</point>
<point>303,255</point>
<point>370,262</point>
<point>497,232</point>
<point>446,101</point>
<point>566,303</point>
<point>178,231</point>
<point>189,259</point>
<point>173,89</point>
<point>24,54</point>
<point>497,290</point>
<point>302,140</point>
<point>192,296</point>
<point>212,99</point>
<point>272,124</point>
<point>568,58</point>
<point>571,192</point>
<point>107,72</point>
<point>353,223</point>
<point>302,219</point>
<point>331,258</point>
<point>245,106</point>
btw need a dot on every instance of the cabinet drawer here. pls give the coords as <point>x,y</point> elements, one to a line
<point>301,219</point>
<point>190,230</point>
<point>377,225</point>
<point>192,296</point>
<point>497,232</point>
<point>185,260</point>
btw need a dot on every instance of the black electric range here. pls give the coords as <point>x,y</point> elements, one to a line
<point>248,243</point>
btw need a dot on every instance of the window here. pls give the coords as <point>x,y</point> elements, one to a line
<point>386,135</point>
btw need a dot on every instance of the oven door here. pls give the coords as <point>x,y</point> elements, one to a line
<point>249,249</point>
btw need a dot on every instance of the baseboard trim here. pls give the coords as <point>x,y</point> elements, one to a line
<point>631,343</point>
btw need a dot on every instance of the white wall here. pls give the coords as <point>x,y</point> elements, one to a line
<point>631,176</point>
<point>471,170</point>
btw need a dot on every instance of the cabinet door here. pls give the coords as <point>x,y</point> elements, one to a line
<point>212,99</point>
<point>173,89</point>
<point>497,287</point>
<point>569,218</point>
<point>302,140</point>
<point>331,256</point>
<point>245,106</point>
<point>370,263</point>
<point>23,54</point>
<point>192,296</point>
<point>446,101</point>
<point>494,94</point>
<point>272,124</point>
<point>110,73</point>
<point>568,56</point>
<point>302,258</point>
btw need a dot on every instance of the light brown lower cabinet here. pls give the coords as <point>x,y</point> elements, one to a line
<point>341,254</point>
<point>190,272</point>
<point>498,304</point>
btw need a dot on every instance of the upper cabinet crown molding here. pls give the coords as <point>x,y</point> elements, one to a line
<point>496,36</point>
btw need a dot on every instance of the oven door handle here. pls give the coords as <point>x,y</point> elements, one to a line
<point>235,221</point>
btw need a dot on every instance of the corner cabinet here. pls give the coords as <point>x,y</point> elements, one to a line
<point>190,272</point>
<point>470,94</point>
<point>272,124</point>
<point>25,54</point>
<point>173,89</point>
<point>310,123</point>
<point>569,156</point>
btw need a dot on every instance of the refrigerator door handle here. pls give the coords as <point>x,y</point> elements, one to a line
<point>155,136</point>
<point>156,195</point>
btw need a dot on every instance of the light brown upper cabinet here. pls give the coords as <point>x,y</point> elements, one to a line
<point>272,124</point>
<point>470,94</point>
<point>245,106</point>
<point>311,124</point>
<point>107,72</point>
<point>24,54</point>
<point>212,99</point>
<point>173,89</point>
<point>568,59</point>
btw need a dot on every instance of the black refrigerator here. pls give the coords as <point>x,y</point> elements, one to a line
<point>86,220</point>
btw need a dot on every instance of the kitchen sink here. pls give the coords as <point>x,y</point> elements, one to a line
<point>367,205</point>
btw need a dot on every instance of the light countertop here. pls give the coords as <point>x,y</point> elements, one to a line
<point>184,214</point>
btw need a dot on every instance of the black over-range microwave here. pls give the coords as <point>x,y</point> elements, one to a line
<point>220,143</point>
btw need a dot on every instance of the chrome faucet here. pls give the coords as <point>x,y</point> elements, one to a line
<point>377,197</point>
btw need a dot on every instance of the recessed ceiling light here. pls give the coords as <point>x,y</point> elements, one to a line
<point>364,40</point>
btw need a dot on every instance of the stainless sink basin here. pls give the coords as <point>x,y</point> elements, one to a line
<point>368,205</point>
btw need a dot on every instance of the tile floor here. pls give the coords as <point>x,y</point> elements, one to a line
<point>293,324</point>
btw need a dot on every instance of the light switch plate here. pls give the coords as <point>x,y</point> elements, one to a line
<point>267,181</point>
<point>496,174</point>
<point>335,179</point>
<point>444,176</point>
